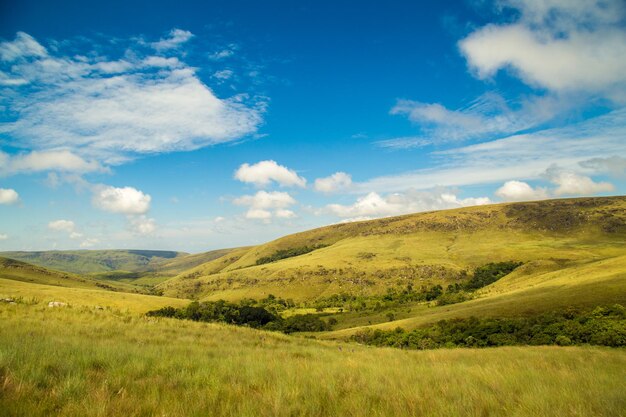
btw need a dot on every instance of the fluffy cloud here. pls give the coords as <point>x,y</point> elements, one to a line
<point>142,225</point>
<point>66,226</point>
<point>264,205</point>
<point>3,236</point>
<point>374,205</point>
<point>125,200</point>
<point>264,172</point>
<point>337,182</point>
<point>573,184</point>
<point>64,161</point>
<point>563,46</point>
<point>62,226</point>
<point>112,110</point>
<point>8,196</point>
<point>520,191</point>
<point>176,38</point>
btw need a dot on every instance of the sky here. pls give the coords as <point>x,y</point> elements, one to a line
<point>194,126</point>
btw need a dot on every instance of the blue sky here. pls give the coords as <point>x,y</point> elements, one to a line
<point>201,125</point>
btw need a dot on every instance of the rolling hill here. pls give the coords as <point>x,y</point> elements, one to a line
<point>421,249</point>
<point>95,261</point>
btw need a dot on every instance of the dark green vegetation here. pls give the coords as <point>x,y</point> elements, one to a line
<point>394,297</point>
<point>604,326</point>
<point>248,313</point>
<point>288,253</point>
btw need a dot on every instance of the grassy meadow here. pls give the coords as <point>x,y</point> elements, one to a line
<point>78,361</point>
<point>102,356</point>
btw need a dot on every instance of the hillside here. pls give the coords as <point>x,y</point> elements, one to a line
<point>11,269</point>
<point>96,261</point>
<point>420,249</point>
<point>90,362</point>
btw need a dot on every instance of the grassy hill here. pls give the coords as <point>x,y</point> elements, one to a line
<point>420,249</point>
<point>72,361</point>
<point>95,261</point>
<point>114,360</point>
<point>11,269</point>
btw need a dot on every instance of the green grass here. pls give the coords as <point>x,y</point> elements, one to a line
<point>81,361</point>
<point>137,303</point>
<point>94,261</point>
<point>419,249</point>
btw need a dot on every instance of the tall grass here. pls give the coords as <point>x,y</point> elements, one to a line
<point>86,362</point>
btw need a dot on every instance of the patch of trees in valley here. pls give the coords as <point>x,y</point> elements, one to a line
<point>604,326</point>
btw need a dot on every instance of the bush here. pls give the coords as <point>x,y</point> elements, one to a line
<point>605,326</point>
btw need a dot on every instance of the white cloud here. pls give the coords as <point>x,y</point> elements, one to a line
<point>339,181</point>
<point>518,157</point>
<point>112,110</point>
<point>285,214</point>
<point>3,236</point>
<point>259,214</point>
<point>223,75</point>
<point>66,226</point>
<point>573,184</point>
<point>88,243</point>
<point>142,225</point>
<point>374,205</point>
<point>8,196</point>
<point>264,172</point>
<point>126,200</point>
<point>62,226</point>
<point>176,38</point>
<point>489,114</point>
<point>563,46</point>
<point>520,191</point>
<point>24,46</point>
<point>264,205</point>
<point>64,161</point>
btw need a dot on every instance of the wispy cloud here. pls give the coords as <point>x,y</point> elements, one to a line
<point>112,110</point>
<point>517,157</point>
<point>486,117</point>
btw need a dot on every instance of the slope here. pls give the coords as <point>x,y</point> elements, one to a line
<point>421,249</point>
<point>95,261</point>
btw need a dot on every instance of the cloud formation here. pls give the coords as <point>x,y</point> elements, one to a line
<point>264,173</point>
<point>66,226</point>
<point>176,38</point>
<point>36,161</point>
<point>520,191</point>
<point>112,110</point>
<point>338,181</point>
<point>573,184</point>
<point>264,205</point>
<point>8,196</point>
<point>574,45</point>
<point>374,205</point>
<point>124,200</point>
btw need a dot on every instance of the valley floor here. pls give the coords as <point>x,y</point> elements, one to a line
<point>81,361</point>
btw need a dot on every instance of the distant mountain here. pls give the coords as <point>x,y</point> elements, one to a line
<point>96,261</point>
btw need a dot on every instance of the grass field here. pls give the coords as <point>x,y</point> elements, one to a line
<point>419,249</point>
<point>84,362</point>
<point>137,303</point>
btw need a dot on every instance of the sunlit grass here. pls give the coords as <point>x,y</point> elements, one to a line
<point>81,361</point>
